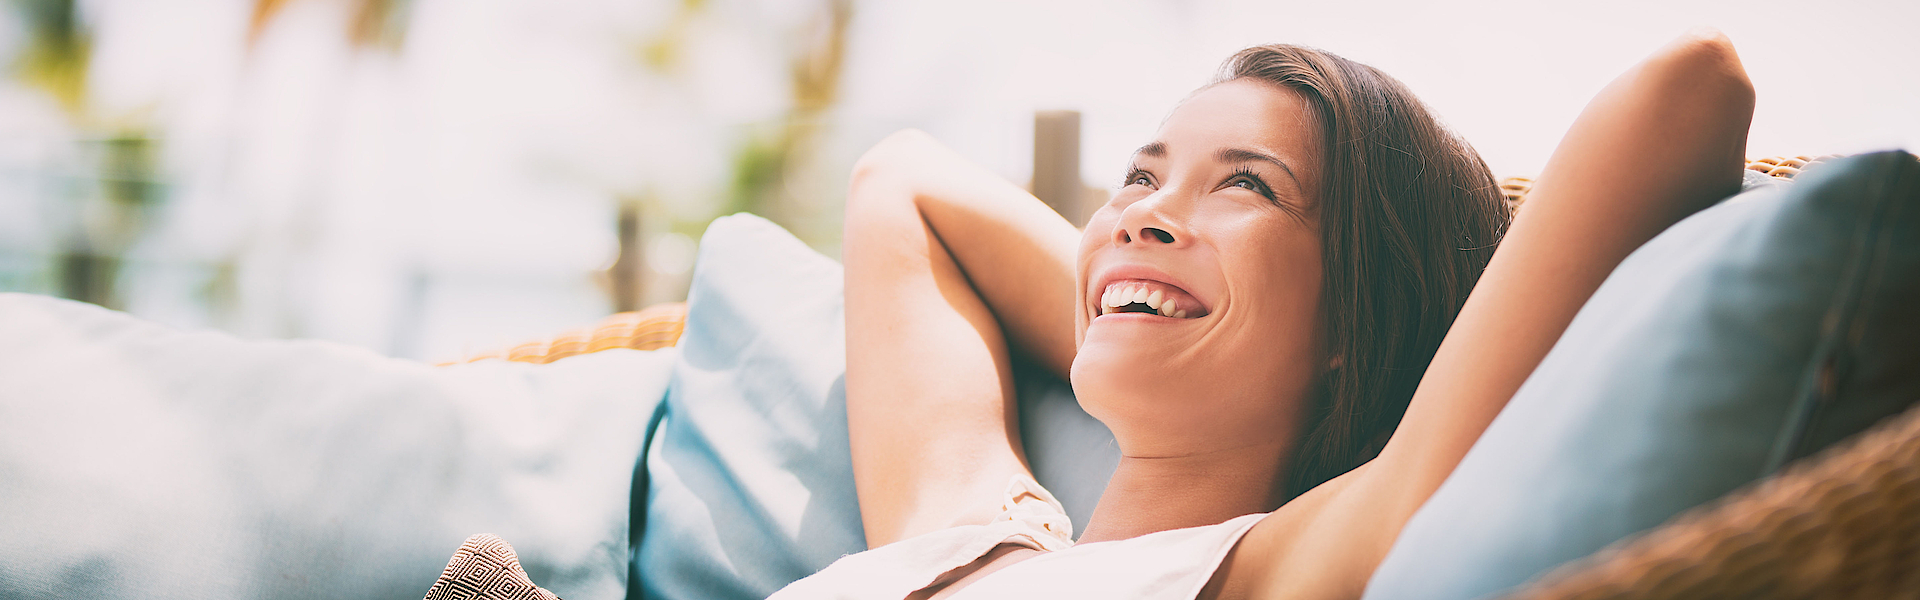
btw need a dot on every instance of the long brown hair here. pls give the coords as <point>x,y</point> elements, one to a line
<point>1409,216</point>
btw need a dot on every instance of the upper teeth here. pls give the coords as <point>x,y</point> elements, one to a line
<point>1122,294</point>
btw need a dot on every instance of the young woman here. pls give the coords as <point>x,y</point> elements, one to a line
<point>1283,274</point>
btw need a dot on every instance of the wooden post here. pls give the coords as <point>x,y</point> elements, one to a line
<point>1056,163</point>
<point>627,274</point>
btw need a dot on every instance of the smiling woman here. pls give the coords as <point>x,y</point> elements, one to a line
<point>1251,315</point>
<point>1243,237</point>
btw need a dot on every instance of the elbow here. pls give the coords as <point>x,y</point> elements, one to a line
<point>882,173</point>
<point>892,157</point>
<point>1707,99</point>
<point>882,183</point>
<point>1704,44</point>
<point>1702,65</point>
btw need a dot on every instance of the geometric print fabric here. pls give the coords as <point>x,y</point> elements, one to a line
<point>485,568</point>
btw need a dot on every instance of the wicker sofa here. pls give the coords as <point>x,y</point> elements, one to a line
<point>1842,524</point>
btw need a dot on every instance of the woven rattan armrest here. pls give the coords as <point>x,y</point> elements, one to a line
<point>1785,167</point>
<point>1841,524</point>
<point>652,328</point>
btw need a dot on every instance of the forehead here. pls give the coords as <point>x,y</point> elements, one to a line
<point>1245,113</point>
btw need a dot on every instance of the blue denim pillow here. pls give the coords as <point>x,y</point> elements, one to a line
<point>748,484</point>
<point>1750,334</point>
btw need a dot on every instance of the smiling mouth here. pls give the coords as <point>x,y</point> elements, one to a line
<point>1144,297</point>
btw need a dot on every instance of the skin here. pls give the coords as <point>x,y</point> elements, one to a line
<point>951,272</point>
<point>1241,236</point>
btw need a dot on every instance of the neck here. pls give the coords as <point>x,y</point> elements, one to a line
<point>1149,494</point>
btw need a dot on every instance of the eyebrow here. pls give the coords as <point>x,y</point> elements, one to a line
<point>1240,155</point>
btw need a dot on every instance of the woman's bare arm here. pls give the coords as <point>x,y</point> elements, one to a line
<point>944,261</point>
<point>1664,140</point>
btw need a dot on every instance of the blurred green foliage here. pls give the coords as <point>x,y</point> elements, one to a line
<point>767,154</point>
<point>57,51</point>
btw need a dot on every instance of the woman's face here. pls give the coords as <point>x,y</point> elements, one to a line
<point>1200,280</point>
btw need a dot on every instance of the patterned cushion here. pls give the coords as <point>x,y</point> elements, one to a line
<point>485,568</point>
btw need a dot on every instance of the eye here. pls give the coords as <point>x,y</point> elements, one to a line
<point>1137,177</point>
<point>1247,180</point>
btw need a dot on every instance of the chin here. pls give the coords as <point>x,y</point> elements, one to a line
<point>1158,400</point>
<point>1121,383</point>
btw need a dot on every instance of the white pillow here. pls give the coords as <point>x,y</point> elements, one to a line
<point>138,461</point>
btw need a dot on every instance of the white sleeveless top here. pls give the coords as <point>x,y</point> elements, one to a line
<point>1171,565</point>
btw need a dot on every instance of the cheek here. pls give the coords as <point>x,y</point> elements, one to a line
<point>1276,285</point>
<point>1289,276</point>
<point>1091,241</point>
<point>1287,293</point>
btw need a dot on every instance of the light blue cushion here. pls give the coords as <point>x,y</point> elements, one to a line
<point>138,461</point>
<point>749,484</point>
<point>1752,333</point>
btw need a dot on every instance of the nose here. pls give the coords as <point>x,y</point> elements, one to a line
<point>1151,220</point>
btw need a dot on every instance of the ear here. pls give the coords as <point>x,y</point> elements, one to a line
<point>1335,362</point>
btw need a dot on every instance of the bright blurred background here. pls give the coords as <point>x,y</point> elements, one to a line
<point>431,178</point>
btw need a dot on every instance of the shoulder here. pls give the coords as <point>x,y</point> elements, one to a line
<point>1322,544</point>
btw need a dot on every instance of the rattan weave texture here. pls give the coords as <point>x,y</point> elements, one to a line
<point>1515,189</point>
<point>652,328</point>
<point>1843,524</point>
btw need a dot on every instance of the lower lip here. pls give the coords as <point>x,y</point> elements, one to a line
<point>1138,316</point>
